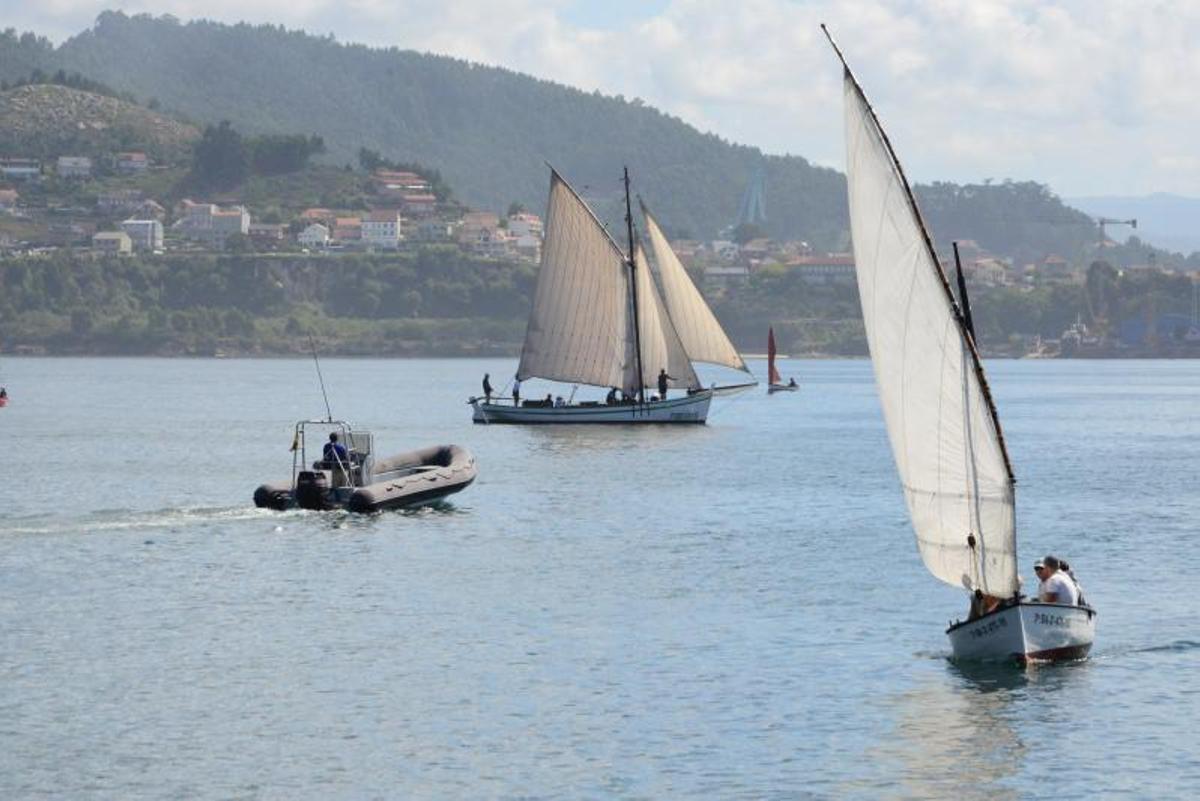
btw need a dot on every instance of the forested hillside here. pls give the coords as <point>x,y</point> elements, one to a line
<point>489,131</point>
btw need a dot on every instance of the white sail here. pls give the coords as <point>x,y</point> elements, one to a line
<point>698,329</point>
<point>661,347</point>
<point>943,430</point>
<point>580,329</point>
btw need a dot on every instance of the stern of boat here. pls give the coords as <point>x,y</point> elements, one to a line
<point>1025,632</point>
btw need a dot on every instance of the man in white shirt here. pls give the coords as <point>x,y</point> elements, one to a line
<point>1057,587</point>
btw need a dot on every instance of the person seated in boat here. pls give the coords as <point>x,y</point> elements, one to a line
<point>559,402</point>
<point>611,398</point>
<point>663,378</point>
<point>1066,569</point>
<point>792,381</point>
<point>1057,587</point>
<point>335,452</point>
<point>487,388</point>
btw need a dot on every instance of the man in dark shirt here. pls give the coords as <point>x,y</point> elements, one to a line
<point>662,383</point>
<point>335,452</point>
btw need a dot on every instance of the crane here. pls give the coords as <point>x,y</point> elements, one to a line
<point>1103,221</point>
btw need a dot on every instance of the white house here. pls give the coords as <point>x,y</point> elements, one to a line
<point>112,242</point>
<point>381,229</point>
<point>145,234</point>
<point>74,167</point>
<point>314,236</point>
<point>132,162</point>
<point>209,223</point>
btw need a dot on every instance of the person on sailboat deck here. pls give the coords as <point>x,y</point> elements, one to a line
<point>516,391</point>
<point>792,381</point>
<point>663,378</point>
<point>334,451</point>
<point>611,398</point>
<point>487,388</point>
<point>1056,586</point>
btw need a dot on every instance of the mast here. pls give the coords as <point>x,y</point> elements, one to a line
<point>637,329</point>
<point>962,294</point>
<point>955,311</point>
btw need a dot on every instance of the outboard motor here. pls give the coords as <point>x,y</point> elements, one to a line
<point>312,490</point>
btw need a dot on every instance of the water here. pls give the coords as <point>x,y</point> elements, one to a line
<point>729,611</point>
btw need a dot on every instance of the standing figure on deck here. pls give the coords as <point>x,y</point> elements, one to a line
<point>487,388</point>
<point>662,383</point>
<point>516,391</point>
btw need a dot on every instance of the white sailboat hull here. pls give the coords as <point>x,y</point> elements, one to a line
<point>1026,632</point>
<point>691,409</point>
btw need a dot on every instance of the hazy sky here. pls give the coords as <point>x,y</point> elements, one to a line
<point>1092,97</point>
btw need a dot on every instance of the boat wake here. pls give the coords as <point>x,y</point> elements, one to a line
<point>129,519</point>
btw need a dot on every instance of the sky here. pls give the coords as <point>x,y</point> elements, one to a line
<point>1093,97</point>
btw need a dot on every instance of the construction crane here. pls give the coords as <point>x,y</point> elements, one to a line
<point>1103,221</point>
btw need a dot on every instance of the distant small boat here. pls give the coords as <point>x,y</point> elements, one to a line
<point>941,420</point>
<point>774,379</point>
<point>355,480</point>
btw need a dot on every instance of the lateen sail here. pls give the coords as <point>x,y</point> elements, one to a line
<point>580,329</point>
<point>773,376</point>
<point>698,329</point>
<point>661,346</point>
<point>944,433</point>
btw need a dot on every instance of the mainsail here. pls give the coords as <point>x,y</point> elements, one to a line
<point>698,329</point>
<point>581,327</point>
<point>773,376</point>
<point>945,436</point>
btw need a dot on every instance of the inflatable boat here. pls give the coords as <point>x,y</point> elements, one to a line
<point>348,476</point>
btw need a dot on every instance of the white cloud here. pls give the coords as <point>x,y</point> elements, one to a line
<point>1082,94</point>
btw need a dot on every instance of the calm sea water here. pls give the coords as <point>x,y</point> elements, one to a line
<point>729,611</point>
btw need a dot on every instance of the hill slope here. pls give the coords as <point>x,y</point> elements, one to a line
<point>489,131</point>
<point>45,120</point>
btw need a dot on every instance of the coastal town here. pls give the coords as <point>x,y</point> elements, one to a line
<point>119,205</point>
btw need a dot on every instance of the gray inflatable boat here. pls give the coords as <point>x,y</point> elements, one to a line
<point>348,476</point>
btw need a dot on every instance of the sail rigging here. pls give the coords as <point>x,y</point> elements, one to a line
<point>661,345</point>
<point>773,376</point>
<point>592,324</point>
<point>697,327</point>
<point>944,432</point>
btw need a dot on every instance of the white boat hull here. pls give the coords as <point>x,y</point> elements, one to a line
<point>1026,632</point>
<point>689,409</point>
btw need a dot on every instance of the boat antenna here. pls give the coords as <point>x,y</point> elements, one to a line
<point>313,345</point>
<point>963,300</point>
<point>637,328</point>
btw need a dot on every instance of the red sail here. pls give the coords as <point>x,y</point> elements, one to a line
<point>773,376</point>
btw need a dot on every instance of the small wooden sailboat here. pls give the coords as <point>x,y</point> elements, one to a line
<point>598,319</point>
<point>944,429</point>
<point>774,379</point>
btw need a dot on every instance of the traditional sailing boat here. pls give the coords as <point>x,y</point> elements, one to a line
<point>774,379</point>
<point>945,433</point>
<point>599,320</point>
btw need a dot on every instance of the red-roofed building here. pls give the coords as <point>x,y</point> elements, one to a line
<point>419,205</point>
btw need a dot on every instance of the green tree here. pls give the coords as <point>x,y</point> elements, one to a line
<point>219,159</point>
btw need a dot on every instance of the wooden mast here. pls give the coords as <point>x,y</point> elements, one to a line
<point>637,328</point>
